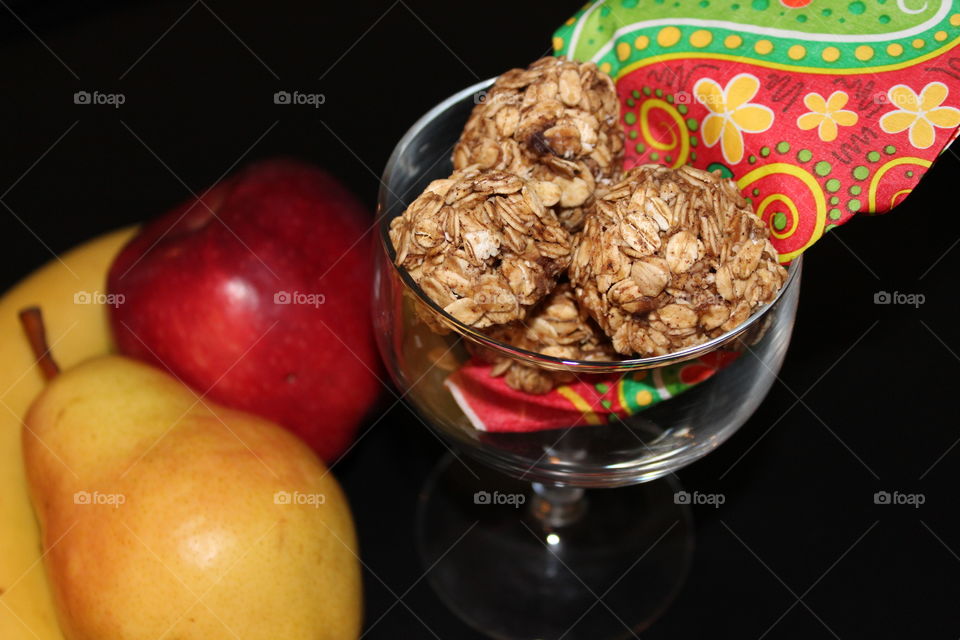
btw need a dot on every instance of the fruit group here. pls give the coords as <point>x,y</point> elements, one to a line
<point>259,297</point>
<point>79,331</point>
<point>162,514</point>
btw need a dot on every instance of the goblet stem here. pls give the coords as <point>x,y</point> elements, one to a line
<point>556,506</point>
<point>537,571</point>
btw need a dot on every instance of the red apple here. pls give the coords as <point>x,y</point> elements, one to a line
<point>259,296</point>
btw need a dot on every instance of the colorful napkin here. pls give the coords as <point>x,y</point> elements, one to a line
<point>820,109</point>
<point>492,406</point>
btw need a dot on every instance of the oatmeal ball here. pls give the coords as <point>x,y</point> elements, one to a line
<point>484,245</point>
<point>557,327</point>
<point>558,121</point>
<point>671,258</point>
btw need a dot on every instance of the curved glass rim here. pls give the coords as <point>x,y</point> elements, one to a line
<point>516,353</point>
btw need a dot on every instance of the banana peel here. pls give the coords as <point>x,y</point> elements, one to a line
<point>71,291</point>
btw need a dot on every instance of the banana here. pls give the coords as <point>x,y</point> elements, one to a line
<point>71,292</point>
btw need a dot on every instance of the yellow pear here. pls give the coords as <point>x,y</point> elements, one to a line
<point>77,331</point>
<point>163,515</point>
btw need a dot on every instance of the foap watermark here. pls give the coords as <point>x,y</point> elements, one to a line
<point>97,297</point>
<point>711,499</point>
<point>911,499</point>
<point>481,97</point>
<point>295,497</point>
<point>96,498</point>
<point>512,499</point>
<point>299,98</point>
<point>701,299</point>
<point>98,98</point>
<point>706,99</point>
<point>498,299</point>
<point>910,299</point>
<point>299,297</point>
<point>896,99</point>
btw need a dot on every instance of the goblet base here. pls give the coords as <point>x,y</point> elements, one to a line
<point>512,573</point>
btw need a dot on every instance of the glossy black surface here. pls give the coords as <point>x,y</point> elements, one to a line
<point>867,397</point>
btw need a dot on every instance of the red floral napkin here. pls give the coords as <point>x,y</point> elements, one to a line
<point>493,406</point>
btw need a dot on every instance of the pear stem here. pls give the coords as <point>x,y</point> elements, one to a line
<point>32,320</point>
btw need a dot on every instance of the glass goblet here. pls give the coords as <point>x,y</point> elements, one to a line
<point>555,533</point>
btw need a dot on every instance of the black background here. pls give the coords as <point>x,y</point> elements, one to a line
<point>799,519</point>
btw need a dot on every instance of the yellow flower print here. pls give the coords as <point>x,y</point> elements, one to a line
<point>731,113</point>
<point>920,114</point>
<point>825,115</point>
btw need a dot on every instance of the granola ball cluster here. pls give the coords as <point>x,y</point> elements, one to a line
<point>483,244</point>
<point>557,327</point>
<point>556,120</point>
<point>671,258</point>
<point>542,241</point>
